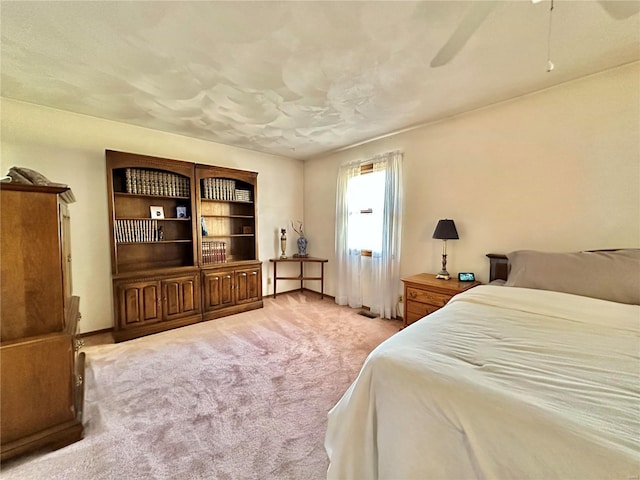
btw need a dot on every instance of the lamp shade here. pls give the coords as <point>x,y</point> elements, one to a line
<point>446,230</point>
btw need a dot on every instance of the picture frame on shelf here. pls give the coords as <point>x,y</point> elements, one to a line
<point>156,211</point>
<point>181,211</point>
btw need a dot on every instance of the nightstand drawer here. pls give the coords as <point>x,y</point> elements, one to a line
<point>423,296</point>
<point>415,311</point>
<point>424,293</point>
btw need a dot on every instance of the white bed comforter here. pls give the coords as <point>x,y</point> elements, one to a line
<point>503,383</point>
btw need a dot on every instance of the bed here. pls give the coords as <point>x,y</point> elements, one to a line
<point>533,379</point>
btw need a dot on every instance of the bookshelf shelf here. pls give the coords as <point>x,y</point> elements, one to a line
<point>209,200</point>
<point>154,242</point>
<point>171,219</point>
<point>140,195</point>
<point>229,216</point>
<point>229,235</point>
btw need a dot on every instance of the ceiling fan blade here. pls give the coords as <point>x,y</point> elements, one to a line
<point>471,22</point>
<point>620,9</point>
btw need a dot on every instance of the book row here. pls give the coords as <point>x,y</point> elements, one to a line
<point>214,252</point>
<point>218,189</point>
<point>152,182</point>
<point>242,195</point>
<point>132,231</point>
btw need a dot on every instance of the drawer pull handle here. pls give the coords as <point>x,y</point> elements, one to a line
<point>79,344</point>
<point>413,294</point>
<point>79,380</point>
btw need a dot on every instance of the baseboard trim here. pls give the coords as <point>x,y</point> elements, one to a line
<point>95,332</point>
<point>303,290</point>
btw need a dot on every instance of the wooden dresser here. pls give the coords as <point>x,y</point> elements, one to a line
<point>424,294</point>
<point>41,372</point>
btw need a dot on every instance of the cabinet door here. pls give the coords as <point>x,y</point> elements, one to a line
<point>138,303</point>
<point>180,297</point>
<point>37,386</point>
<point>248,285</point>
<point>218,289</point>
<point>30,272</point>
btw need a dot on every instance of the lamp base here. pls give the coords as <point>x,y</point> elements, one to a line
<point>443,274</point>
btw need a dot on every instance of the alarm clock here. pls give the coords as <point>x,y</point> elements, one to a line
<point>466,277</point>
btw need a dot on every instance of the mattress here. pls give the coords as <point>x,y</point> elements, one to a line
<point>502,383</point>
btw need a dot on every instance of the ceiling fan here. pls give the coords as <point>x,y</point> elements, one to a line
<point>480,10</point>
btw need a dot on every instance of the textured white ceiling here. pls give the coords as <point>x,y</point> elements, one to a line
<point>295,78</point>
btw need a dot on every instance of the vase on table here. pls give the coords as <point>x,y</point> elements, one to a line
<point>302,246</point>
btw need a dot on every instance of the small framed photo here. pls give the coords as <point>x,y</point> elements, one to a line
<point>181,211</point>
<point>156,212</point>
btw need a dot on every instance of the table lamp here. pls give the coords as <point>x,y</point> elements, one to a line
<point>445,230</point>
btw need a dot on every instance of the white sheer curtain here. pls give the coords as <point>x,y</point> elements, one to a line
<point>385,257</point>
<point>349,286</point>
<point>385,264</point>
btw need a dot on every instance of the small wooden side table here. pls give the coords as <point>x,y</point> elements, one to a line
<point>424,294</point>
<point>301,277</point>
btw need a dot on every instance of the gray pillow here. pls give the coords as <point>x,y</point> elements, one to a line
<point>608,275</point>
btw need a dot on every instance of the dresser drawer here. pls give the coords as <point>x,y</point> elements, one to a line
<point>416,310</point>
<point>423,296</point>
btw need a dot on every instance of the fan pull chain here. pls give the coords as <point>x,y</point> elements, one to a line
<point>550,65</point>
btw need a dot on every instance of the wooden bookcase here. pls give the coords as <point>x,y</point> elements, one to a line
<point>162,267</point>
<point>156,281</point>
<point>228,240</point>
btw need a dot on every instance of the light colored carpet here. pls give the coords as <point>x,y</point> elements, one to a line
<point>244,397</point>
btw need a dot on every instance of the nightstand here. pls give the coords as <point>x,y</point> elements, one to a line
<point>424,294</point>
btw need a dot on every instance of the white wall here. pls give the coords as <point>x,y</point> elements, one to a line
<point>558,170</point>
<point>69,148</point>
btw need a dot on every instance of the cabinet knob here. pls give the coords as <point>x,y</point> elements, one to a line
<point>79,380</point>
<point>69,258</point>
<point>79,343</point>
<point>243,274</point>
<point>254,273</point>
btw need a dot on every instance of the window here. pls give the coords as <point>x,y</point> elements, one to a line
<point>369,222</point>
<point>365,200</point>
